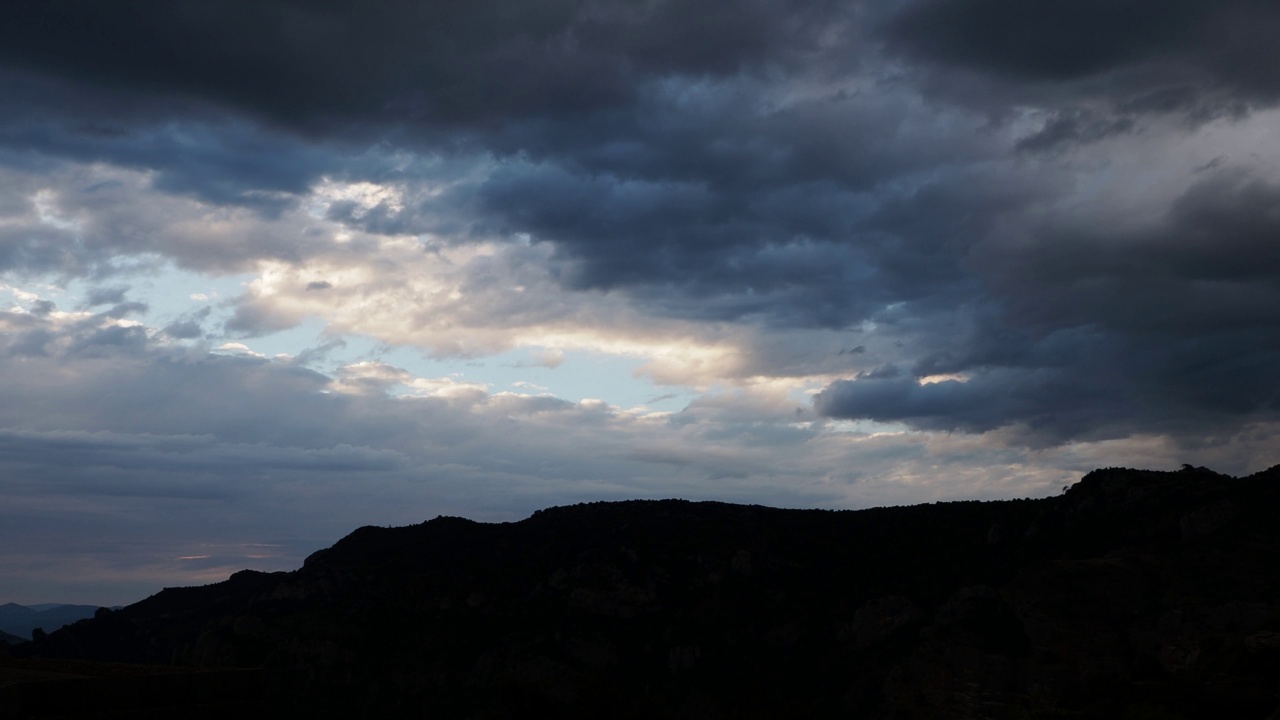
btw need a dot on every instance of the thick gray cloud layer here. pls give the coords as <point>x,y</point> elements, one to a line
<point>1220,47</point>
<point>312,63</point>
<point>1055,221</point>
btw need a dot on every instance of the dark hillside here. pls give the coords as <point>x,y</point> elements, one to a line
<point>21,620</point>
<point>1134,594</point>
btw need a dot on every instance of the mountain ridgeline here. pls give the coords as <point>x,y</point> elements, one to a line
<point>1134,594</point>
<point>20,621</point>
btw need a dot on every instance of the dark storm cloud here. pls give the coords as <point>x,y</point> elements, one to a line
<point>977,405</point>
<point>785,213</point>
<point>1216,383</point>
<point>315,64</point>
<point>1045,40</point>
<point>1089,327</point>
<point>221,160</point>
<point>1199,58</point>
<point>1209,262</point>
<point>1074,126</point>
<point>1101,333</point>
<point>1050,40</point>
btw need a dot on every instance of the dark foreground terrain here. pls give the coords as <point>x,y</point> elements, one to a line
<point>1135,594</point>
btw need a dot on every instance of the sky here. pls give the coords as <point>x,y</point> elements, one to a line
<point>271,270</point>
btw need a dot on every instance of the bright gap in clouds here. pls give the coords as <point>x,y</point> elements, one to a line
<point>174,296</point>
<point>572,375</point>
<point>170,294</point>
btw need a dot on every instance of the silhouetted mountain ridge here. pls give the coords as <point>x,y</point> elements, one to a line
<point>1133,594</point>
<point>20,620</point>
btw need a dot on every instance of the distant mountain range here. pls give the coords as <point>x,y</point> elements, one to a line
<point>20,620</point>
<point>1134,594</point>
